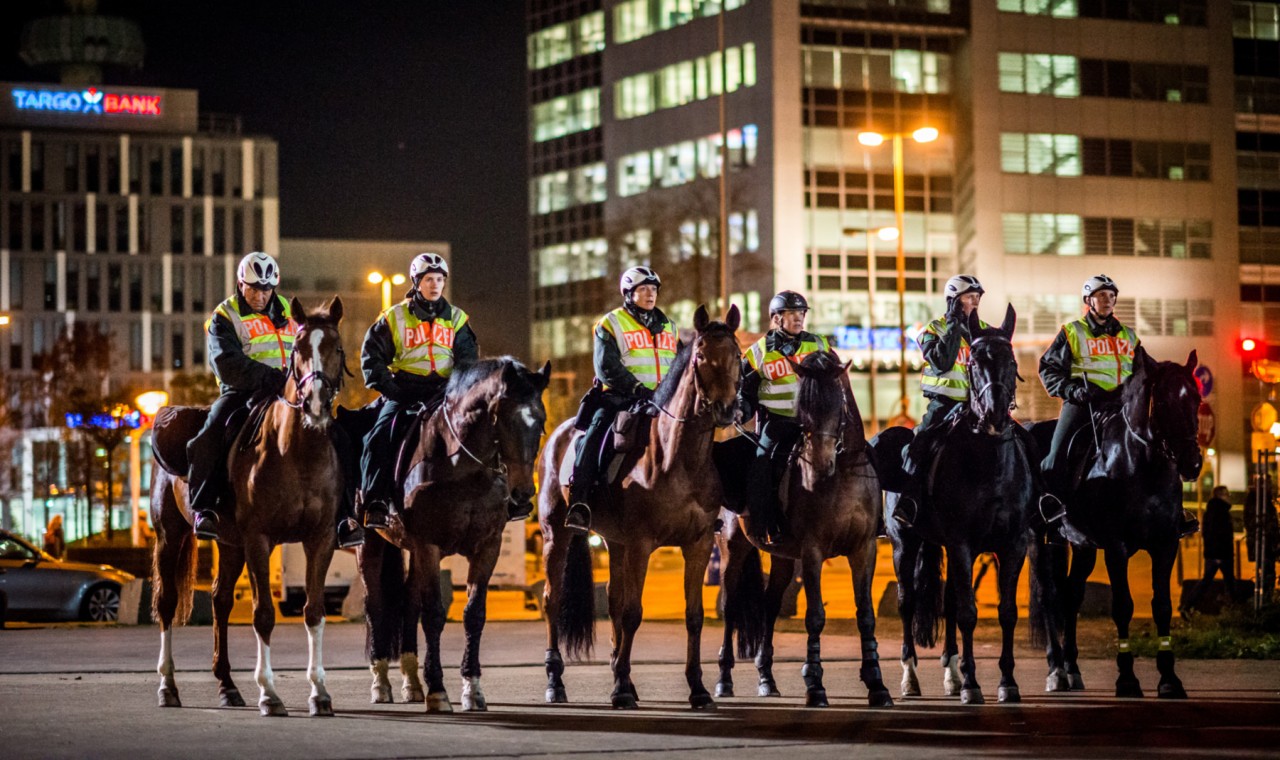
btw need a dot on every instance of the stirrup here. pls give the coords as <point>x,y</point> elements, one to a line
<point>578,510</point>
<point>519,512</point>
<point>205,525</point>
<point>1051,508</point>
<point>901,508</point>
<point>1189,525</point>
<point>349,534</point>
<point>377,515</point>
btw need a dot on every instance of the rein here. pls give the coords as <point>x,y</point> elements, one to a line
<point>500,470</point>
<point>303,384</point>
<point>701,405</point>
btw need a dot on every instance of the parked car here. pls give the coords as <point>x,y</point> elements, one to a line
<point>35,586</point>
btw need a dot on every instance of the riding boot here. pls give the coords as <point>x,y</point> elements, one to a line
<point>1188,524</point>
<point>578,518</point>
<point>907,511</point>
<point>204,500</point>
<point>519,511</point>
<point>377,514</point>
<point>586,471</point>
<point>349,532</point>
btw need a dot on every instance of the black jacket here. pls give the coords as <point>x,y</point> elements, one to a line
<point>607,358</point>
<point>236,371</point>
<point>1217,531</point>
<point>749,393</point>
<point>379,350</point>
<point>941,351</point>
<point>1055,364</point>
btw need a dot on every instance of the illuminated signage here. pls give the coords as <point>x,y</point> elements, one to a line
<point>90,101</point>
<point>881,338</point>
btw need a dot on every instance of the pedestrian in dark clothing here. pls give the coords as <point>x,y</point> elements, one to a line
<point>1218,535</point>
<point>1270,537</point>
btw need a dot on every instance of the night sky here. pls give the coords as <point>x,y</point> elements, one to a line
<point>395,120</point>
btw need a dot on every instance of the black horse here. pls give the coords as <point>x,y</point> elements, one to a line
<point>1128,499</point>
<point>980,495</point>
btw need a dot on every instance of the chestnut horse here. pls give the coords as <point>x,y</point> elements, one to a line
<point>476,454</point>
<point>287,483</point>
<point>669,496</point>
<point>833,507</point>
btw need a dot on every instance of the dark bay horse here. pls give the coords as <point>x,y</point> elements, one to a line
<point>476,453</point>
<point>980,497</point>
<point>1129,499</point>
<point>670,496</point>
<point>287,483</point>
<point>833,504</point>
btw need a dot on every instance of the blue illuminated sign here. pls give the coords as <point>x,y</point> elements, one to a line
<point>91,101</point>
<point>865,338</point>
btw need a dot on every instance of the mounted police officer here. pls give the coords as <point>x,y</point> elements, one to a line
<point>250,337</point>
<point>635,345</point>
<point>770,387</point>
<point>944,342</point>
<point>1085,366</point>
<point>408,356</point>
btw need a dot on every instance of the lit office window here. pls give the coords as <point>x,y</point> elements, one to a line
<point>549,192</point>
<point>1055,8</point>
<point>683,162</point>
<point>1042,234</point>
<point>1040,74</point>
<point>635,19</point>
<point>634,174</point>
<point>571,262</point>
<point>631,21</point>
<point>559,43</point>
<point>565,115</point>
<point>677,85</point>
<point>591,183</point>
<point>1056,155</point>
<point>911,71</point>
<point>1256,21</point>
<point>685,82</point>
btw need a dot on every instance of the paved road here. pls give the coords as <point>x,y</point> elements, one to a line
<point>90,692</point>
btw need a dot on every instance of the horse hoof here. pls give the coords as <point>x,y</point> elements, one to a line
<point>1129,690</point>
<point>272,708</point>
<point>1008,695</point>
<point>1057,680</point>
<point>816,698</point>
<point>971,697</point>
<point>1171,690</point>
<point>768,689</point>
<point>556,695</point>
<point>381,695</point>
<point>438,702</point>
<point>624,701</point>
<point>950,689</point>
<point>702,701</point>
<point>321,707</point>
<point>475,704</point>
<point>410,694</point>
<point>168,697</point>
<point>879,698</point>
<point>910,689</point>
<point>230,698</point>
<point>1076,681</point>
<point>724,690</point>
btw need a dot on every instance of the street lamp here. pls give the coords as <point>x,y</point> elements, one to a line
<point>386,282</point>
<point>149,404</point>
<point>886,234</point>
<point>871,140</point>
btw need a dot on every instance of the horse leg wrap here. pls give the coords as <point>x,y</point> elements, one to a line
<point>555,668</point>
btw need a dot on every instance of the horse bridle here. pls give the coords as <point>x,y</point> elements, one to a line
<point>500,470</point>
<point>986,389</point>
<point>1162,444</point>
<point>701,405</point>
<point>303,383</point>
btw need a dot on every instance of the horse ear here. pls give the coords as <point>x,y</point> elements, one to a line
<point>543,376</point>
<point>700,318</point>
<point>845,367</point>
<point>733,318</point>
<point>974,324</point>
<point>1192,360</point>
<point>795,365</point>
<point>335,309</point>
<point>1010,321</point>
<point>299,313</point>
<point>1148,363</point>
<point>510,375</point>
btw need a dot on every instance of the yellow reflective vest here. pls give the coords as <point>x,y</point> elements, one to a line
<point>644,355</point>
<point>1106,360</point>
<point>259,338</point>
<point>951,382</point>
<point>423,347</point>
<point>779,383</point>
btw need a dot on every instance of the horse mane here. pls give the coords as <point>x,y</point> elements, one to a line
<point>666,389</point>
<point>814,394</point>
<point>478,375</point>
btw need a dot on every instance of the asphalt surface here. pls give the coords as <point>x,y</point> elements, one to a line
<point>90,691</point>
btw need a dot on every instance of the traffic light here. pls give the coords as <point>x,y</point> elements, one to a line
<point>1252,349</point>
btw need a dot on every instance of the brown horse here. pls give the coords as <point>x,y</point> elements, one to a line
<point>476,455</point>
<point>669,497</point>
<point>287,484</point>
<point>832,499</point>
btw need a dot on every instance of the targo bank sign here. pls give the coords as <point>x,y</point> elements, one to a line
<point>88,101</point>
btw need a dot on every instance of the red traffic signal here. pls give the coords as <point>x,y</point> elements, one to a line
<point>1252,349</point>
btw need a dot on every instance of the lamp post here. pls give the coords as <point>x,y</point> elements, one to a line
<point>886,234</point>
<point>386,282</point>
<point>871,140</point>
<point>149,404</point>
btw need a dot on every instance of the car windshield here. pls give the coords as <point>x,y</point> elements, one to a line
<point>12,547</point>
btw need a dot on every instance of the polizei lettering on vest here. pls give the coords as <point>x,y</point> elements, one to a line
<point>433,332</point>
<point>1108,346</point>
<point>258,326</point>
<point>781,367</point>
<point>644,339</point>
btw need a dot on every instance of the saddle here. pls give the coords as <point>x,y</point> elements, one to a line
<point>623,445</point>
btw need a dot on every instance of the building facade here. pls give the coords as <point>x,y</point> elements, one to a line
<point>1074,137</point>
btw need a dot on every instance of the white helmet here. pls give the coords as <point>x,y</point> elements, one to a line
<point>961,284</point>
<point>425,263</point>
<point>258,270</point>
<point>637,276</point>
<point>1097,283</point>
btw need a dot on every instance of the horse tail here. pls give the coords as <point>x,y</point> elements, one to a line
<point>173,575</point>
<point>744,601</point>
<point>929,588</point>
<point>577,621</point>
<point>386,598</point>
<point>1042,610</point>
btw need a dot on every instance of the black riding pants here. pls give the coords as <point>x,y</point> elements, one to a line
<point>378,461</point>
<point>937,411</point>
<point>586,463</point>
<point>1073,417</point>
<point>777,436</point>
<point>207,451</point>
